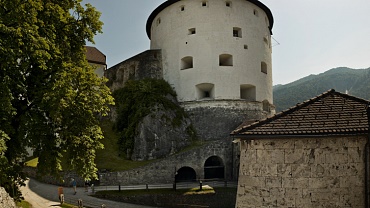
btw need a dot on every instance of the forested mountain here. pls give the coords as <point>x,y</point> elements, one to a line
<point>354,81</point>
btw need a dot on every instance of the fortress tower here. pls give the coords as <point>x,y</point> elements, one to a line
<point>214,49</point>
<point>216,54</point>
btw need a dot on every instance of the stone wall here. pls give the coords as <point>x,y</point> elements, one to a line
<point>214,119</point>
<point>163,171</point>
<point>147,64</point>
<point>6,200</point>
<point>302,172</point>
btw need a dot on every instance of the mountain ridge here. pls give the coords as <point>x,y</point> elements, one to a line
<point>355,82</point>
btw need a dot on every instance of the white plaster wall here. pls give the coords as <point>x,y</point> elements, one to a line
<point>99,69</point>
<point>214,36</point>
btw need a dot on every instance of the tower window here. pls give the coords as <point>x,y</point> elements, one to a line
<point>237,32</point>
<point>187,62</point>
<point>245,46</point>
<point>204,4</point>
<point>255,12</point>
<point>192,31</point>
<point>226,60</point>
<point>182,8</point>
<point>248,92</point>
<point>158,21</point>
<point>228,4</point>
<point>263,67</point>
<point>205,91</point>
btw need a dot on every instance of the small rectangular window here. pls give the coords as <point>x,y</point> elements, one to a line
<point>204,4</point>
<point>191,31</point>
<point>182,8</point>
<point>228,4</point>
<point>237,32</point>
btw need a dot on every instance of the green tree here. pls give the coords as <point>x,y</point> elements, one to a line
<point>50,98</point>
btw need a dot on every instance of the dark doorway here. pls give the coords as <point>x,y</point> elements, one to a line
<point>214,168</point>
<point>185,174</point>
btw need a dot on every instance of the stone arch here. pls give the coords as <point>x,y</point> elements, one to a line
<point>185,174</point>
<point>214,168</point>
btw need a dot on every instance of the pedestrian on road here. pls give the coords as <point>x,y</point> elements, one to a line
<point>87,184</point>
<point>74,184</point>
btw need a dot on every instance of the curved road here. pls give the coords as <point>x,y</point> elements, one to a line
<point>41,195</point>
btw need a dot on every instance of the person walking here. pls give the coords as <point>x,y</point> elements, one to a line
<point>74,184</point>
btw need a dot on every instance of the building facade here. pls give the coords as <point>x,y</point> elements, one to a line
<point>315,154</point>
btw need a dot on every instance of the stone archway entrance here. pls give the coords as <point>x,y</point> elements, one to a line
<point>214,168</point>
<point>185,174</point>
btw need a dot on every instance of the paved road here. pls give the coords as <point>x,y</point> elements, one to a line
<point>41,195</point>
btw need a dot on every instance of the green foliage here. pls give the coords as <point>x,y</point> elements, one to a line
<point>50,97</point>
<point>355,81</point>
<point>110,158</point>
<point>136,100</point>
<point>24,204</point>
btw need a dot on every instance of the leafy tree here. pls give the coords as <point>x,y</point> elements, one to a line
<point>50,98</point>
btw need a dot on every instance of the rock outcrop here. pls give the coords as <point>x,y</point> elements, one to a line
<point>160,135</point>
<point>6,200</point>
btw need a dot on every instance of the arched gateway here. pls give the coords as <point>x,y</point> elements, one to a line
<point>214,168</point>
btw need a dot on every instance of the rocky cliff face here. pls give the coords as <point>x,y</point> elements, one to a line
<point>160,135</point>
<point>6,200</point>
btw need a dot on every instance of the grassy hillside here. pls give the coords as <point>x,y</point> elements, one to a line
<point>355,81</point>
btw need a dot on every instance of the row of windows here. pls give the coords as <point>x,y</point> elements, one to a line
<point>227,4</point>
<point>237,33</point>
<point>207,91</point>
<point>205,4</point>
<point>224,60</point>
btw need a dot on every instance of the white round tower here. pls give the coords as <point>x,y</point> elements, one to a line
<point>214,49</point>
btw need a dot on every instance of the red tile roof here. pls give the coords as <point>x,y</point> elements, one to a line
<point>93,55</point>
<point>331,113</point>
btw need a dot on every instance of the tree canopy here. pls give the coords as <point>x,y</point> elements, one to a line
<point>50,98</point>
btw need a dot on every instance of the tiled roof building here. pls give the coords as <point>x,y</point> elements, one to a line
<point>331,113</point>
<point>315,154</point>
<point>93,55</point>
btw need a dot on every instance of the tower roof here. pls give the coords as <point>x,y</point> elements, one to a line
<point>331,113</point>
<point>170,2</point>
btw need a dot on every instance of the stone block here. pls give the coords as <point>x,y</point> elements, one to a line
<point>270,156</point>
<point>273,182</point>
<point>250,155</point>
<point>300,182</point>
<point>351,181</point>
<point>301,170</point>
<point>287,182</point>
<point>336,158</point>
<point>320,170</point>
<point>355,155</point>
<point>284,170</point>
<point>252,181</point>
<point>307,143</point>
<point>293,156</point>
<point>324,183</point>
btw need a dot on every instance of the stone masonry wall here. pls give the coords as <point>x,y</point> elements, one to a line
<point>162,171</point>
<point>147,64</point>
<point>214,119</point>
<point>307,172</point>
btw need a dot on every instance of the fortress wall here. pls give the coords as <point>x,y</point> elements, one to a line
<point>215,119</point>
<point>163,171</point>
<point>147,64</point>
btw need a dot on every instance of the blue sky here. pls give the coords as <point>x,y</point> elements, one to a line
<point>313,35</point>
